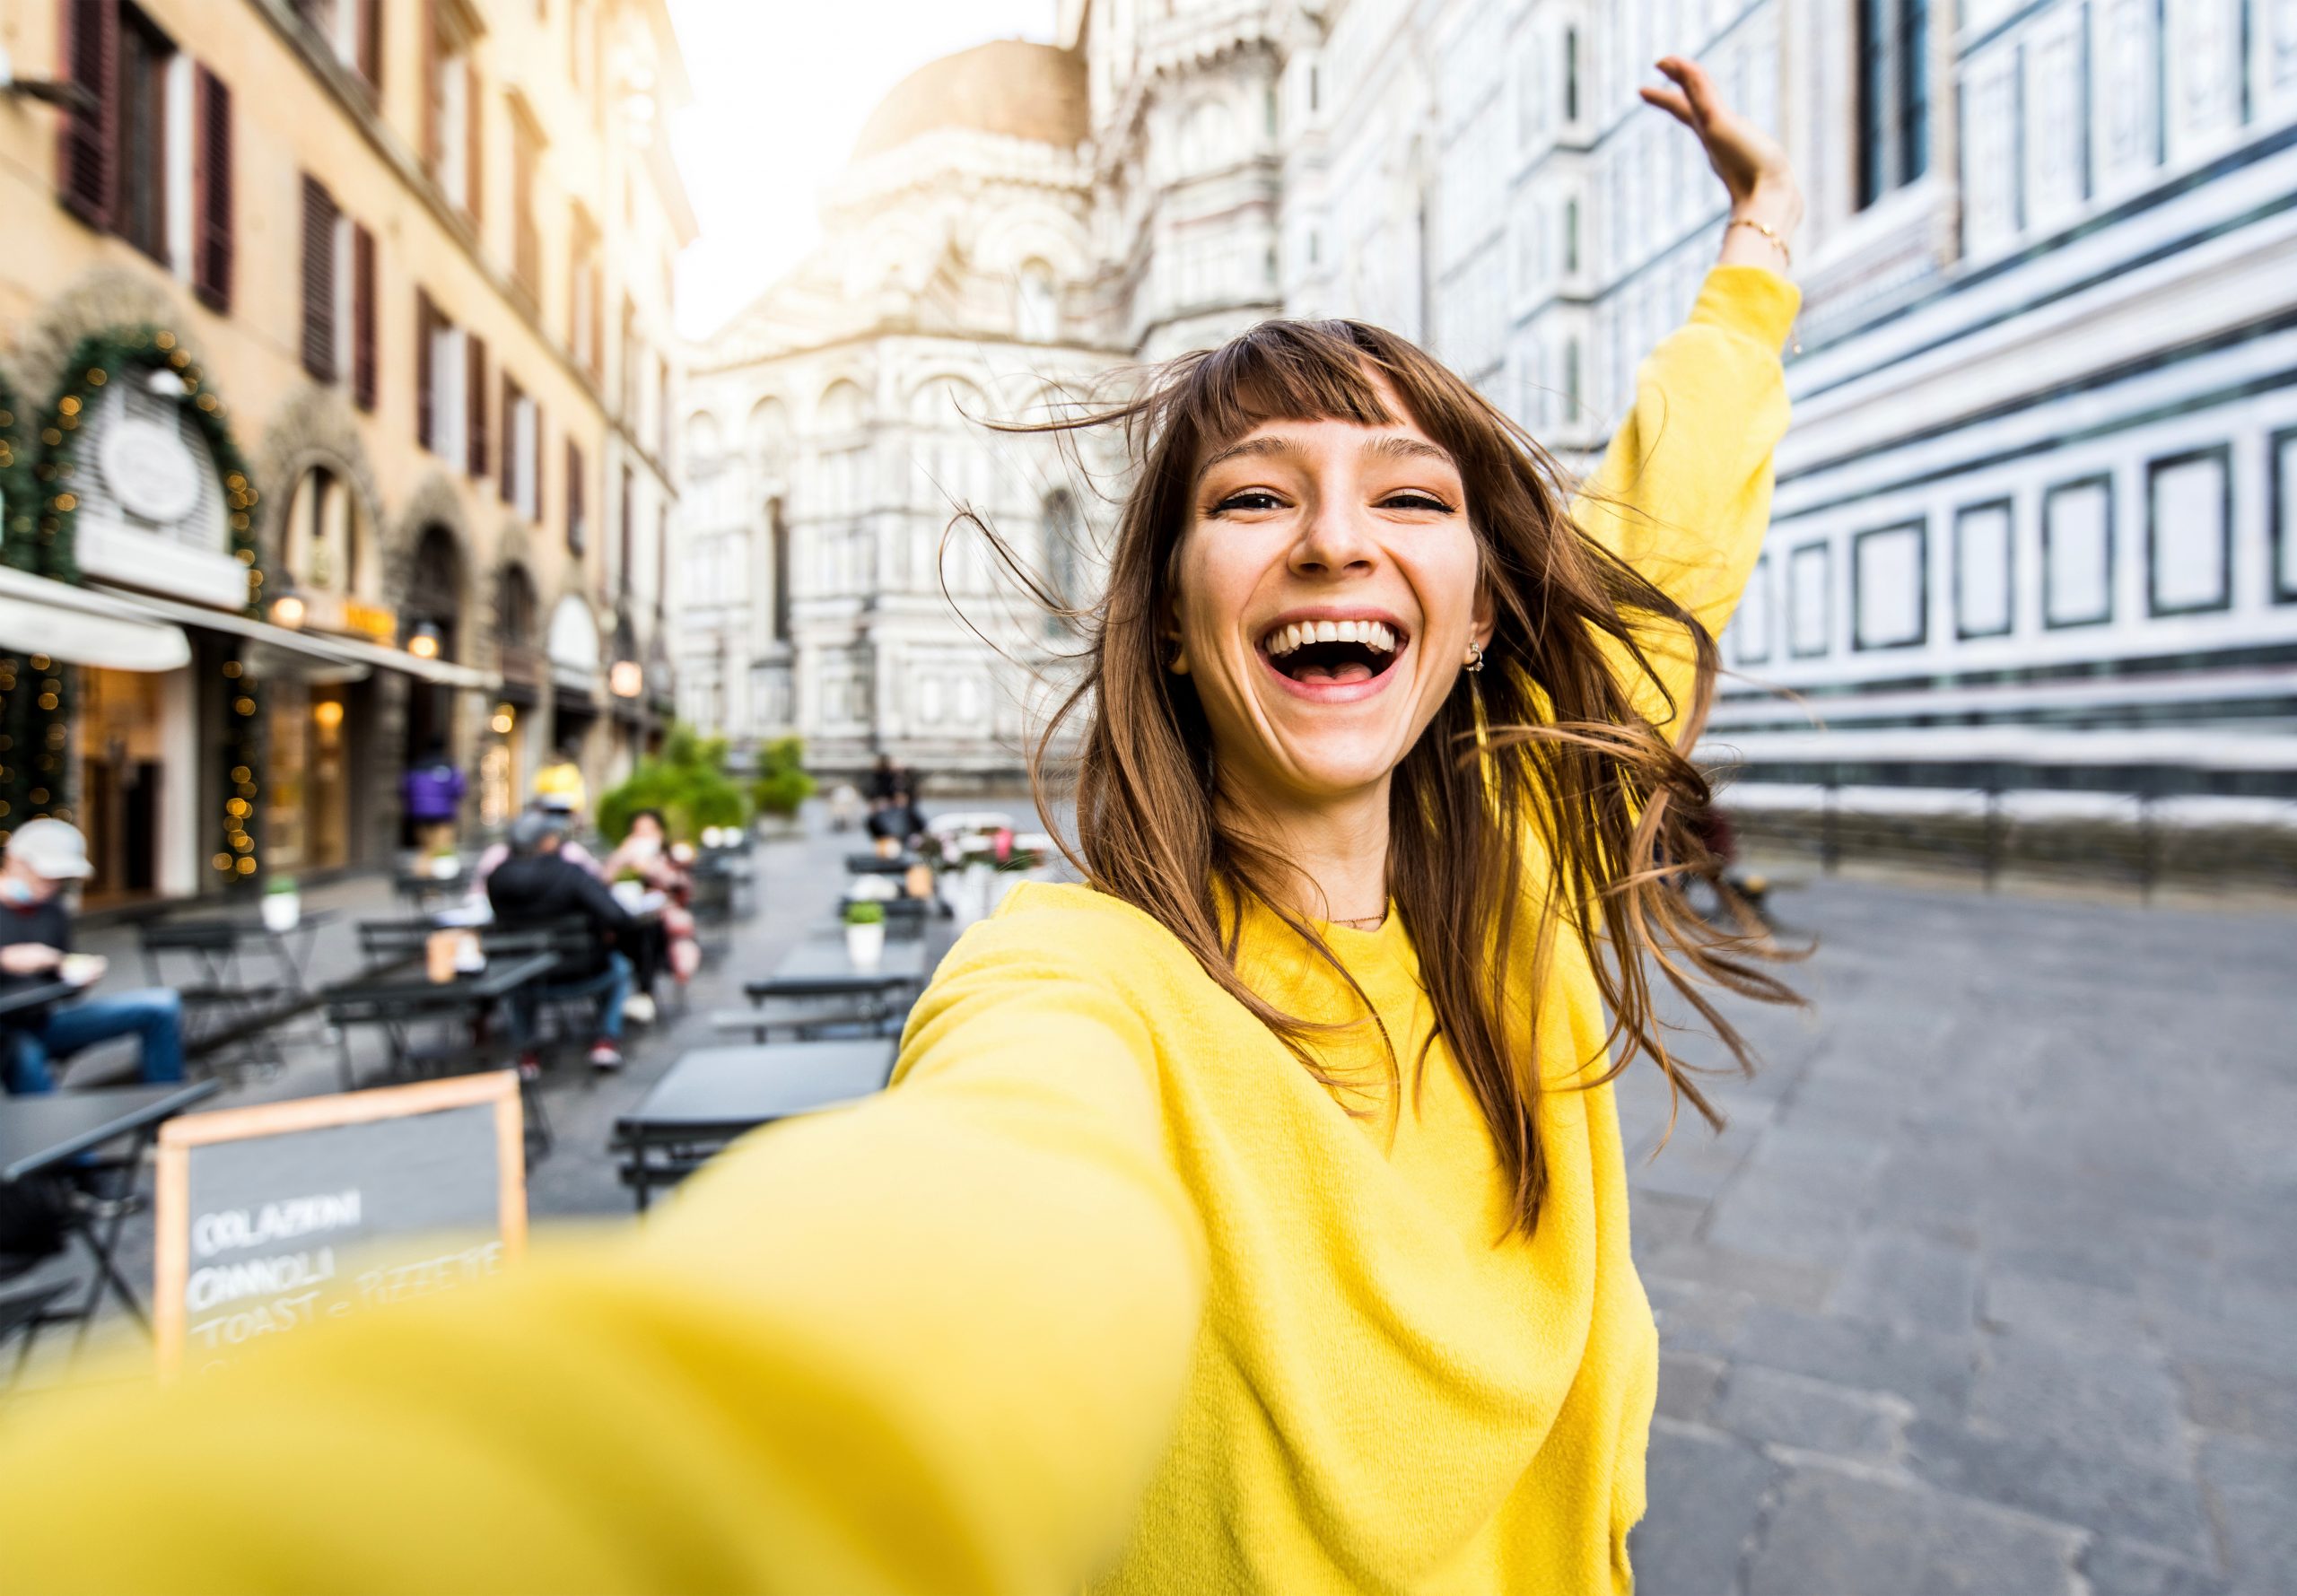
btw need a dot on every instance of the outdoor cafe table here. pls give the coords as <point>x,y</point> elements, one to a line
<point>244,1006</point>
<point>395,1001</point>
<point>714,1094</point>
<point>870,864</point>
<point>42,1133</point>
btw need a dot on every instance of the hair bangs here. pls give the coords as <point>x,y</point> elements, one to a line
<point>1279,370</point>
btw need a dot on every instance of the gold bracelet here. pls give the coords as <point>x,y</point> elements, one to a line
<point>1785,254</point>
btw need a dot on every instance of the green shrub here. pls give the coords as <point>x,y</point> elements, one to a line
<point>782,785</point>
<point>864,912</point>
<point>686,781</point>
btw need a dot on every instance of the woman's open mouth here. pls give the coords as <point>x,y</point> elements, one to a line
<point>1329,654</point>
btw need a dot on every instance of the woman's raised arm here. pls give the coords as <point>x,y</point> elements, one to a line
<point>933,1344</point>
<point>1683,491</point>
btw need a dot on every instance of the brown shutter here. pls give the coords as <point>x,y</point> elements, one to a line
<point>510,438</point>
<point>576,498</point>
<point>534,463</point>
<point>370,46</point>
<point>432,151</point>
<point>474,150</point>
<point>425,325</point>
<point>212,244</point>
<point>362,317</point>
<point>87,142</point>
<point>475,399</point>
<point>629,527</point>
<point>320,352</point>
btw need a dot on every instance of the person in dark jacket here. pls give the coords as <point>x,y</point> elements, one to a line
<point>535,883</point>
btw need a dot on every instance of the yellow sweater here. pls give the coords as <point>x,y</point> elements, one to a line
<point>1107,1289</point>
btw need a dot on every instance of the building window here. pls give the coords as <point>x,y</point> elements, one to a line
<point>586,297</point>
<point>1037,306</point>
<point>632,353</point>
<point>445,405</point>
<point>333,312</point>
<point>626,542</point>
<point>2189,532</point>
<point>1889,587</point>
<point>578,524</point>
<point>1893,124</point>
<point>521,451</point>
<point>1571,237</point>
<point>352,31</point>
<point>2078,553</point>
<point>1571,74</point>
<point>777,533</point>
<point>526,242</point>
<point>1810,581</point>
<point>1750,627</point>
<point>453,111</point>
<point>2282,446</point>
<point>147,153</point>
<point>1985,586</point>
<point>1571,383</point>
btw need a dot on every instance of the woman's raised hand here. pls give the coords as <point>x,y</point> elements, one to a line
<point>1753,164</point>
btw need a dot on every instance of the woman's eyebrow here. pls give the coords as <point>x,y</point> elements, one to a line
<point>1395,446</point>
<point>1246,448</point>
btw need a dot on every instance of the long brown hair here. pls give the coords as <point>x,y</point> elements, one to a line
<point>1570,813</point>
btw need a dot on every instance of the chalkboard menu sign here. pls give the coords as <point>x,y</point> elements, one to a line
<point>274,1217</point>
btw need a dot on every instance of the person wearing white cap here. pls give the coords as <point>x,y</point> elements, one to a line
<point>35,942</point>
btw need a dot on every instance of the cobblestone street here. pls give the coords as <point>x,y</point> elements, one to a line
<point>1988,1287</point>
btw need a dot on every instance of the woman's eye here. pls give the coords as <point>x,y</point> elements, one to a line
<point>1415,502</point>
<point>1250,499</point>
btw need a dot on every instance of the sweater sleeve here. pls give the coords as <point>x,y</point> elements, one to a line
<point>1683,492</point>
<point>932,1344</point>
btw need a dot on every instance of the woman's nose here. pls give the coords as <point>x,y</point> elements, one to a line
<point>1333,541</point>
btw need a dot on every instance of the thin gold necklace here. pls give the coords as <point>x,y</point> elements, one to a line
<point>1370,922</point>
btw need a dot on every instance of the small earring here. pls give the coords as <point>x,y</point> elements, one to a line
<point>1475,659</point>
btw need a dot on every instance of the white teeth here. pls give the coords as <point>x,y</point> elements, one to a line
<point>1371,635</point>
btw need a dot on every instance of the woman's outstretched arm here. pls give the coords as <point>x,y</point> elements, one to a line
<point>930,1345</point>
<point>1683,492</point>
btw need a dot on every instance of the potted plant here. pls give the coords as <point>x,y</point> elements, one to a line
<point>865,934</point>
<point>283,905</point>
<point>446,864</point>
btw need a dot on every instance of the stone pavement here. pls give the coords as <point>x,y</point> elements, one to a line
<point>1990,1285</point>
<point>1988,1288</point>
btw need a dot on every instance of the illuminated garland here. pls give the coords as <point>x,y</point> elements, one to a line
<point>51,509</point>
<point>24,724</point>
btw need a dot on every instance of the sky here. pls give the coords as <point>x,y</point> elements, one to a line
<point>781,89</point>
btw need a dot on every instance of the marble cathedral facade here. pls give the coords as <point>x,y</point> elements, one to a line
<point>2037,508</point>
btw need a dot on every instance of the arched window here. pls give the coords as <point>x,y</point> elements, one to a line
<point>704,441</point>
<point>435,588</point>
<point>1064,557</point>
<point>1037,304</point>
<point>516,609</point>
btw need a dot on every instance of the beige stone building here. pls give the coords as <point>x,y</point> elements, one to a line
<point>418,254</point>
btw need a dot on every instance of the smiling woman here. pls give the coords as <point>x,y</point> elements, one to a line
<point>1249,1217</point>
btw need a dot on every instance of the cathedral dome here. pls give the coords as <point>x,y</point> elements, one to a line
<point>1008,86</point>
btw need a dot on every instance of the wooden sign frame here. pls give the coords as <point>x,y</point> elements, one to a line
<point>171,1203</point>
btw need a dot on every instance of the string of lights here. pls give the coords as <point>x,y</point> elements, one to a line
<point>34,709</point>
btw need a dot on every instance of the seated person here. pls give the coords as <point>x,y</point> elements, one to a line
<point>574,853</point>
<point>538,882</point>
<point>35,935</point>
<point>646,855</point>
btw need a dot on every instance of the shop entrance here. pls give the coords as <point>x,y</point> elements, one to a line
<point>123,779</point>
<point>431,618</point>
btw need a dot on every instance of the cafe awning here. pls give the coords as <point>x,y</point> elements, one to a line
<point>85,626</point>
<point>338,650</point>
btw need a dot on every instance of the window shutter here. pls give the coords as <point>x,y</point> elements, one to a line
<point>362,317</point>
<point>211,245</point>
<point>476,389</point>
<point>370,46</point>
<point>86,148</point>
<point>534,464</point>
<point>426,328</point>
<point>509,472</point>
<point>576,508</point>
<point>432,149</point>
<point>320,352</point>
<point>474,150</point>
<point>597,314</point>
